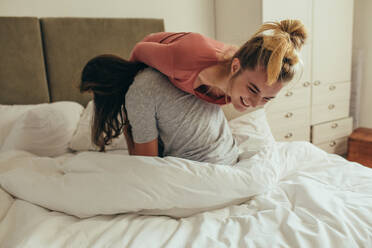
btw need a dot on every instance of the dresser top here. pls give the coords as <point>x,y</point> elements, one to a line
<point>362,134</point>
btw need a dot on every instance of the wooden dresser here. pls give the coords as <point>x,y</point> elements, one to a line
<point>360,146</point>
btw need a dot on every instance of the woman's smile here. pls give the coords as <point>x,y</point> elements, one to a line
<point>244,102</point>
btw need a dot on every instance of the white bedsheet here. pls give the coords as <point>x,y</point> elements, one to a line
<point>287,195</point>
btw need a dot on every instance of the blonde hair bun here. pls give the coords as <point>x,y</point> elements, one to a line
<point>293,29</point>
<point>296,30</point>
<point>285,38</point>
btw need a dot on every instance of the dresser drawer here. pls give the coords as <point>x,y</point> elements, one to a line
<point>324,92</point>
<point>329,110</point>
<point>293,118</point>
<point>292,134</point>
<point>289,99</point>
<point>331,130</point>
<point>338,146</point>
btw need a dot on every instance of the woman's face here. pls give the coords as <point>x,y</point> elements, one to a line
<point>249,88</point>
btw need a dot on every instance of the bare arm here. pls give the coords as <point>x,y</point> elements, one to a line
<point>147,149</point>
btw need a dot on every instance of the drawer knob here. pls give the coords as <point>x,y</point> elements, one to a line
<point>316,83</point>
<point>289,93</point>
<point>306,84</point>
<point>289,115</point>
<point>334,125</point>
<point>288,135</point>
<point>332,144</point>
<point>332,87</point>
<point>331,106</point>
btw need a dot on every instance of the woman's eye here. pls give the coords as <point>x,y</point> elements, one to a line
<point>252,90</point>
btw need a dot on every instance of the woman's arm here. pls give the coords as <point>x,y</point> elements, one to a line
<point>140,115</point>
<point>175,54</point>
<point>146,149</point>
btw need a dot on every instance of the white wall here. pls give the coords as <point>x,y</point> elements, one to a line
<point>178,15</point>
<point>234,25</point>
<point>362,41</point>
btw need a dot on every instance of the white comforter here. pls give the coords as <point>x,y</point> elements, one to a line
<point>286,195</point>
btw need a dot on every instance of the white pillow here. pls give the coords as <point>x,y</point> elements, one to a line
<point>45,129</point>
<point>82,139</point>
<point>252,132</point>
<point>9,115</point>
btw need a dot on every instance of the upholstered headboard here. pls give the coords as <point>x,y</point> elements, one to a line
<point>41,59</point>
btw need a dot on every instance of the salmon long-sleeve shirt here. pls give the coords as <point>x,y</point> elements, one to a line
<point>181,57</point>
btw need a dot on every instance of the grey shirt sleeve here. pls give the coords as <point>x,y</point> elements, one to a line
<point>140,104</point>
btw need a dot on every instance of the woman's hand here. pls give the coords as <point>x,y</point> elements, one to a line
<point>127,130</point>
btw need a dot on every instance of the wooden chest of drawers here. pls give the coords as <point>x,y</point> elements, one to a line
<point>360,146</point>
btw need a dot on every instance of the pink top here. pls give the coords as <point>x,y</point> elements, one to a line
<point>180,56</point>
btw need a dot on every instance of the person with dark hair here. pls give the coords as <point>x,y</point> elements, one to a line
<point>170,111</point>
<point>108,77</point>
<point>164,121</point>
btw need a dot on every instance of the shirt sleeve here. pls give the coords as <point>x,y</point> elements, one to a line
<point>141,110</point>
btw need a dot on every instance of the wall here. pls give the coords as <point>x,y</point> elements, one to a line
<point>178,15</point>
<point>362,41</point>
<point>234,25</point>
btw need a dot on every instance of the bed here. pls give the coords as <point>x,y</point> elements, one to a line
<point>57,190</point>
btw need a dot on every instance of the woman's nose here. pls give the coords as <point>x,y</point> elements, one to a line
<point>255,101</point>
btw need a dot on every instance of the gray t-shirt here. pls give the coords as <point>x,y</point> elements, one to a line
<point>186,126</point>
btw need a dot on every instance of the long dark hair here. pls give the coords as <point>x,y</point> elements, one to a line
<point>108,77</point>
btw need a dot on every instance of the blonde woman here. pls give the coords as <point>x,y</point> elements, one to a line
<point>213,71</point>
<point>210,70</point>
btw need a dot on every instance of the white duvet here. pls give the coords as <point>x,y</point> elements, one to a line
<point>286,195</point>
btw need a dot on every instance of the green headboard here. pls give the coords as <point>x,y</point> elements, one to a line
<point>22,70</point>
<point>42,58</point>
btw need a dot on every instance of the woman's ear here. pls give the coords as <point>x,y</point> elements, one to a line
<point>235,65</point>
